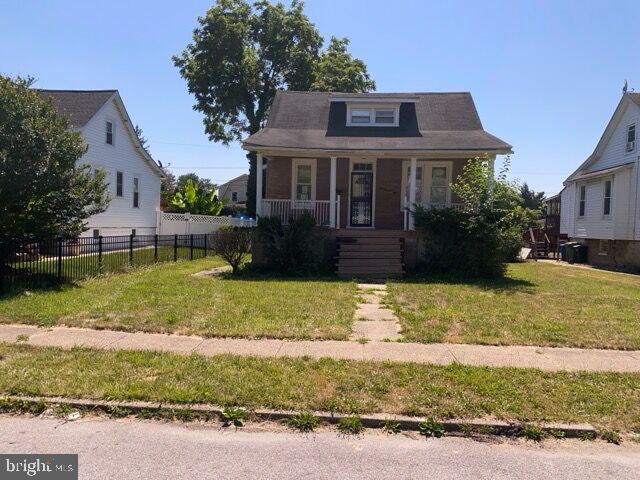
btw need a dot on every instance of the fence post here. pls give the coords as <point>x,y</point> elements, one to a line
<point>205,244</point>
<point>191,246</point>
<point>175,248</point>
<point>155,248</point>
<point>59,259</point>
<point>100,253</point>
<point>131,249</point>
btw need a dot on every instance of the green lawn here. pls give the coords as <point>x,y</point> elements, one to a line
<point>167,298</point>
<point>537,304</point>
<point>606,400</point>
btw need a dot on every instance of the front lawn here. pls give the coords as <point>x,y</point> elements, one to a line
<point>536,304</point>
<point>606,400</point>
<point>167,298</point>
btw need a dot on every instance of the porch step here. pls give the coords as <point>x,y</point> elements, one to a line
<point>391,253</point>
<point>369,256</point>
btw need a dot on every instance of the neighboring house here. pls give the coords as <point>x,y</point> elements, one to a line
<point>235,190</point>
<point>113,146</point>
<point>600,204</point>
<point>357,162</point>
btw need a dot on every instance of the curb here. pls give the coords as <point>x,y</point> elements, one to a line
<point>13,403</point>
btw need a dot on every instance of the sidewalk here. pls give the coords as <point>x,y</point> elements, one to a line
<point>543,358</point>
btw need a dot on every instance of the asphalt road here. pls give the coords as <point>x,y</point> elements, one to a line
<point>128,449</point>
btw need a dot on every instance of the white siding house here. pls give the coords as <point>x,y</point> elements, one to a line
<point>235,190</point>
<point>600,204</point>
<point>113,146</point>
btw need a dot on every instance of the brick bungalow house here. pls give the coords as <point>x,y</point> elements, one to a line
<point>357,162</point>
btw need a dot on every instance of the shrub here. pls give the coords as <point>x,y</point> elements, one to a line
<point>294,249</point>
<point>232,244</point>
<point>478,239</point>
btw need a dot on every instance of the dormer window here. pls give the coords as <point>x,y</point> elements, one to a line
<point>372,116</point>
<point>361,116</point>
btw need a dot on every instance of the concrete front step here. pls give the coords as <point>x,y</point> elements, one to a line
<point>367,262</point>
<point>369,254</point>
<point>369,240</point>
<point>374,247</point>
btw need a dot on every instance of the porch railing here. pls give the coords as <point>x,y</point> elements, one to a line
<point>407,210</point>
<point>286,210</point>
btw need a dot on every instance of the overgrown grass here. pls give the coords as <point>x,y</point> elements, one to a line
<point>609,401</point>
<point>167,298</point>
<point>536,304</point>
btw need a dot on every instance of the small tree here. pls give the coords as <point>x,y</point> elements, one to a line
<point>194,199</point>
<point>43,190</point>
<point>233,244</point>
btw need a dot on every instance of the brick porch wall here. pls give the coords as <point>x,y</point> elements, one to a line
<point>388,186</point>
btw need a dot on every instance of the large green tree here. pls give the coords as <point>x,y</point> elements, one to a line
<point>43,190</point>
<point>530,198</point>
<point>243,53</point>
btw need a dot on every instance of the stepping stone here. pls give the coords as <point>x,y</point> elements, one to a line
<point>216,272</point>
<point>375,330</point>
<point>370,311</point>
<point>372,286</point>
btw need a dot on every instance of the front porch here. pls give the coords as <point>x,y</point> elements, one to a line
<point>355,193</point>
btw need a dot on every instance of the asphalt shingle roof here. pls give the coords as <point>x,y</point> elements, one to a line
<point>436,121</point>
<point>78,105</point>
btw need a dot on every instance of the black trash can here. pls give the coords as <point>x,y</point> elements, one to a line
<point>580,253</point>
<point>570,252</point>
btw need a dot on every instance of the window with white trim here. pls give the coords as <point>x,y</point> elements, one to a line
<point>631,137</point>
<point>234,196</point>
<point>109,132</point>
<point>583,200</point>
<point>119,178</point>
<point>136,192</point>
<point>303,179</point>
<point>606,210</point>
<point>439,185</point>
<point>373,116</point>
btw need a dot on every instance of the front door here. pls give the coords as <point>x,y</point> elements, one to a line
<point>362,195</point>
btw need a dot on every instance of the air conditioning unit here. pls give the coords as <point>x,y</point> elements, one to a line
<point>631,146</point>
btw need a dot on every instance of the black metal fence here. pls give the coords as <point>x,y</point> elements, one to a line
<point>48,262</point>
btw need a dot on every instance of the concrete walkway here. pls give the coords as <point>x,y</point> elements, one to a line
<point>549,359</point>
<point>374,321</point>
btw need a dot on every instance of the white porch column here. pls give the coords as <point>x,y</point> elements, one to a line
<point>332,192</point>
<point>258,184</point>
<point>412,189</point>
<point>492,173</point>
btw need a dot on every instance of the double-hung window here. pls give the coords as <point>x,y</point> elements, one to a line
<point>631,137</point>
<point>119,178</point>
<point>136,192</point>
<point>607,197</point>
<point>583,200</point>
<point>303,180</point>
<point>109,132</point>
<point>361,115</point>
<point>374,116</point>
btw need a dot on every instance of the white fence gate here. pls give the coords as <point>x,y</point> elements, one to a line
<point>186,223</point>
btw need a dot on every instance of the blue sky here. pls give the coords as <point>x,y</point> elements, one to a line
<point>546,75</point>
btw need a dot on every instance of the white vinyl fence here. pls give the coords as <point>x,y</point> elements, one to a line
<point>186,224</point>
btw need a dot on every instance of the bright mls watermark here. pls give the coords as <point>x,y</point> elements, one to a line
<point>38,466</point>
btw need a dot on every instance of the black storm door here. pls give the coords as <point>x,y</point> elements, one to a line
<point>362,195</point>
